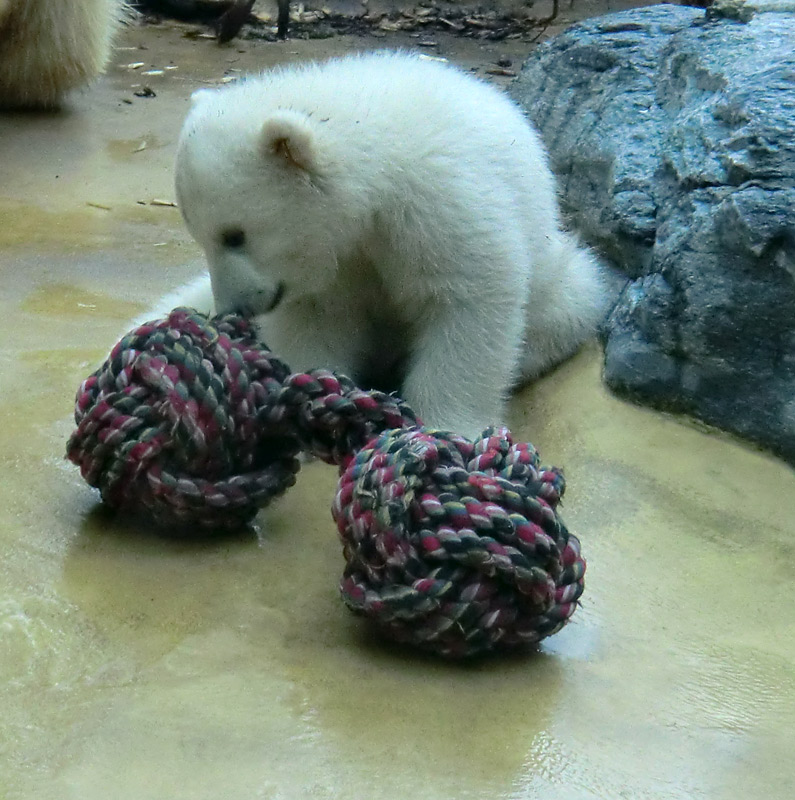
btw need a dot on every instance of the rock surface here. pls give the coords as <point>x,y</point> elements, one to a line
<point>673,135</point>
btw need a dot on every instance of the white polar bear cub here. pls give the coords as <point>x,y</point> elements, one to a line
<point>384,213</point>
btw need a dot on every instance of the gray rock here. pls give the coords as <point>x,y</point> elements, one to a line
<point>673,136</point>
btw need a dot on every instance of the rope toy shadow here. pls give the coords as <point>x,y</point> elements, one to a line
<point>450,545</point>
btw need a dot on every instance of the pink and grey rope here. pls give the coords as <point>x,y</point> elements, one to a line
<point>450,545</point>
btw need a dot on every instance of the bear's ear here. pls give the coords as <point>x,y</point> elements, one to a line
<point>288,135</point>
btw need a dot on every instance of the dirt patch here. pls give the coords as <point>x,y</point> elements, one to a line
<point>496,21</point>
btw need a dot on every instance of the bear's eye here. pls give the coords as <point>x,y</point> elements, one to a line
<point>233,238</point>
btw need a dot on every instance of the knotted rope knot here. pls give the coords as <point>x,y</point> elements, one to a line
<point>451,545</point>
<point>454,545</point>
<point>169,423</point>
<point>333,417</point>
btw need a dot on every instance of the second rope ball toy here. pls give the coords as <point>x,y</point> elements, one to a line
<point>455,546</point>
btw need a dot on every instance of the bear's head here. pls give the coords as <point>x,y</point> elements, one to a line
<point>261,192</point>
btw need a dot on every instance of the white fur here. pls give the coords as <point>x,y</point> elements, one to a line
<point>48,47</point>
<point>408,210</point>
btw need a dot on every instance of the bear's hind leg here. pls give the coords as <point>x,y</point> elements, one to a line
<point>568,301</point>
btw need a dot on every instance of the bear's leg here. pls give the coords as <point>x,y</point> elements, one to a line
<point>462,365</point>
<point>568,301</point>
<point>194,294</point>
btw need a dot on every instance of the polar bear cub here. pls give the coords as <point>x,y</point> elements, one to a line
<point>387,215</point>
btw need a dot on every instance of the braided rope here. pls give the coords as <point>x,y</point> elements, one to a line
<point>454,545</point>
<point>332,416</point>
<point>168,423</point>
<point>450,545</point>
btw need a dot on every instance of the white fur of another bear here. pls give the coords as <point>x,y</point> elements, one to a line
<point>48,47</point>
<point>394,211</point>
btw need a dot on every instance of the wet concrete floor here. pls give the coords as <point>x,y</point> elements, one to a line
<point>137,667</point>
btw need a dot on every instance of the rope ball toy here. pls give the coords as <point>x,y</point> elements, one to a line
<point>450,545</point>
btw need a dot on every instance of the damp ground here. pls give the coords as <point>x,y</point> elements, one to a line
<point>137,667</point>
